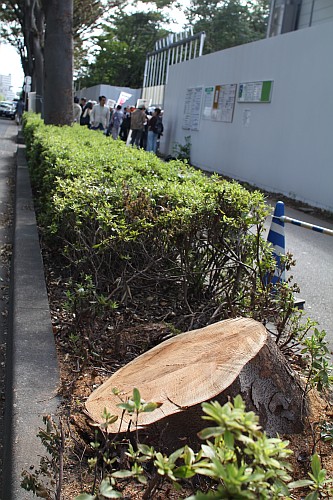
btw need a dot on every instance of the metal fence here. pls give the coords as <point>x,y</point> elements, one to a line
<point>173,49</point>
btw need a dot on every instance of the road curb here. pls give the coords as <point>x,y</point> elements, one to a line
<point>32,367</point>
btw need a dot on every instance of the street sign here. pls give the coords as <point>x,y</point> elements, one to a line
<point>27,80</point>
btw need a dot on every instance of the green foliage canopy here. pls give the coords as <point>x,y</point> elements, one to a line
<point>228,23</point>
<point>23,22</point>
<point>121,49</point>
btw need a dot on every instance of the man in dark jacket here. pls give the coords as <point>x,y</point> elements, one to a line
<point>154,130</point>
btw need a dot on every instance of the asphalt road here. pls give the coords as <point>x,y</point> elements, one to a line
<point>313,272</point>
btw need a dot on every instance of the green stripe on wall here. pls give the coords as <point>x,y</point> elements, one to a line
<point>266,91</point>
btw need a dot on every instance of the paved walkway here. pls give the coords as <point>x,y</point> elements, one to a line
<point>8,134</point>
<point>32,374</point>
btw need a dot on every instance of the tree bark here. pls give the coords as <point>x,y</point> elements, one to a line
<point>58,62</point>
<point>27,23</point>
<point>214,363</point>
<point>38,45</point>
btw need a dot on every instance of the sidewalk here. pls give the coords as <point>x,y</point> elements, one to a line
<point>32,369</point>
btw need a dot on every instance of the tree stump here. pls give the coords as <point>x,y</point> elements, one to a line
<point>235,356</point>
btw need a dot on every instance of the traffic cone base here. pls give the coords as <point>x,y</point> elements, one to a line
<point>277,239</point>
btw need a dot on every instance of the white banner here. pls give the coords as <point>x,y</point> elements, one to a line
<point>123,97</point>
<point>143,102</point>
<point>111,103</point>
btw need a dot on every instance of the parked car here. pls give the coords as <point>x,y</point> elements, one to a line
<point>8,109</point>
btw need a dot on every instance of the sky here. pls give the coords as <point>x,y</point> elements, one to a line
<point>10,60</point>
<point>10,63</point>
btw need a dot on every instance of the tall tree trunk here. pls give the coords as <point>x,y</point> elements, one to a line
<point>32,20</point>
<point>58,62</point>
<point>27,23</point>
<point>38,45</point>
<point>39,77</point>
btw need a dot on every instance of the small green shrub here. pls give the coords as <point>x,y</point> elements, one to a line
<point>82,297</point>
<point>47,480</point>
<point>318,483</point>
<point>319,369</point>
<point>237,459</point>
<point>183,151</point>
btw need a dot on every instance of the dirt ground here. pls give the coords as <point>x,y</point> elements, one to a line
<point>90,350</point>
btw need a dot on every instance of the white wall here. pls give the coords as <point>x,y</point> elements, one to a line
<point>287,144</point>
<point>315,12</point>
<point>111,92</point>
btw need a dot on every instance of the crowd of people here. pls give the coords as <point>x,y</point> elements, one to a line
<point>138,127</point>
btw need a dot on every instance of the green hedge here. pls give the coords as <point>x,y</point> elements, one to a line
<point>134,222</point>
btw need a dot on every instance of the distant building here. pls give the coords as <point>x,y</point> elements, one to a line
<point>6,87</point>
<point>293,15</point>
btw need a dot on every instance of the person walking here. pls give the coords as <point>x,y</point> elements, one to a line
<point>20,106</point>
<point>85,117</point>
<point>100,115</point>
<point>83,102</point>
<point>116,121</point>
<point>138,121</point>
<point>126,124</point>
<point>77,110</point>
<point>155,128</point>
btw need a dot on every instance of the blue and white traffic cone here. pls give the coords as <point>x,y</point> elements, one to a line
<point>277,239</point>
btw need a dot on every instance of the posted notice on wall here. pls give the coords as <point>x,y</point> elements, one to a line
<point>208,100</point>
<point>224,102</point>
<point>219,102</point>
<point>192,108</point>
<point>255,91</point>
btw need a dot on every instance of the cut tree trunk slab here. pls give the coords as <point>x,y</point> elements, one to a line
<point>235,356</point>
